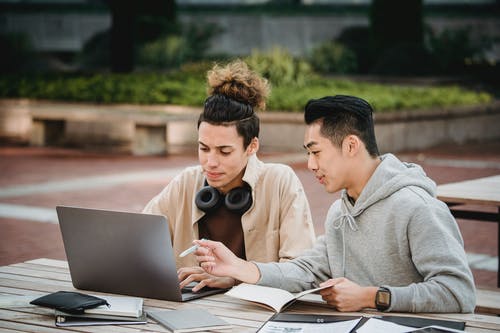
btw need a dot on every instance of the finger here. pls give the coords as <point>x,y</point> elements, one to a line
<point>206,243</point>
<point>200,285</point>
<point>329,282</point>
<point>204,258</point>
<point>331,302</point>
<point>186,281</point>
<point>208,266</point>
<point>199,277</point>
<point>181,275</point>
<point>186,271</point>
<point>202,251</point>
<point>338,280</point>
<point>325,292</point>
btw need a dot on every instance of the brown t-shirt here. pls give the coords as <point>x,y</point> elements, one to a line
<point>224,226</point>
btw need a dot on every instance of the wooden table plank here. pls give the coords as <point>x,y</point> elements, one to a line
<point>488,301</point>
<point>36,273</point>
<point>36,277</point>
<point>49,262</point>
<point>481,191</point>
<point>42,268</point>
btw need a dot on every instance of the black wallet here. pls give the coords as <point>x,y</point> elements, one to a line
<point>69,301</point>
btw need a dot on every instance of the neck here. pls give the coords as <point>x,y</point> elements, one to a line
<point>363,170</point>
<point>236,182</point>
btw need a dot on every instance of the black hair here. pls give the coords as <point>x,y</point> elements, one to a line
<point>235,94</point>
<point>342,115</point>
<point>223,110</point>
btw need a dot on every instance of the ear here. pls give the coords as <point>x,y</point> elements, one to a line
<point>351,145</point>
<point>253,147</point>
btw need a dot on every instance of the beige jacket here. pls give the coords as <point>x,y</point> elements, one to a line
<point>277,227</point>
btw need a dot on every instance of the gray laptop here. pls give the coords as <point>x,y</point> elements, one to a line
<point>122,253</point>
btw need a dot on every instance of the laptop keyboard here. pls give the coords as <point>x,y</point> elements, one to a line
<point>189,288</point>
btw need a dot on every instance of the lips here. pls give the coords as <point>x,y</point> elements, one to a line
<point>213,175</point>
<point>321,179</point>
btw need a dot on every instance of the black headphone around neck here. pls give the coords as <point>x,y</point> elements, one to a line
<point>238,200</point>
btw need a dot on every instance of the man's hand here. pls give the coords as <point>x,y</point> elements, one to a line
<point>216,259</point>
<point>346,295</point>
<point>197,274</point>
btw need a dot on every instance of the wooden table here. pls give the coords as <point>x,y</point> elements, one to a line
<point>478,194</point>
<point>20,283</point>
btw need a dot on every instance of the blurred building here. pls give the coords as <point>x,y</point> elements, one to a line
<point>65,25</point>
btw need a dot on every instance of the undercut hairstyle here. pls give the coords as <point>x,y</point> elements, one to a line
<point>341,116</point>
<point>235,95</point>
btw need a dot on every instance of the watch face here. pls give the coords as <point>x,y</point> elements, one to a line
<point>383,298</point>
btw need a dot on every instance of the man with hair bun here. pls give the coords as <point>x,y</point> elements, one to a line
<point>389,243</point>
<point>258,210</point>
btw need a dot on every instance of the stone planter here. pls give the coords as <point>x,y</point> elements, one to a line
<point>146,130</point>
<point>15,122</point>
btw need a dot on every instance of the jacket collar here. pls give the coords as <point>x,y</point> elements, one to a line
<point>252,171</point>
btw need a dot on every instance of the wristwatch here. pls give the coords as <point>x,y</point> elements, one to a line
<point>383,299</point>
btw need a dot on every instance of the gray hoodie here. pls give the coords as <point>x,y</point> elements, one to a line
<point>397,235</point>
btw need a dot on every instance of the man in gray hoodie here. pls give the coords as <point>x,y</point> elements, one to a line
<point>388,244</point>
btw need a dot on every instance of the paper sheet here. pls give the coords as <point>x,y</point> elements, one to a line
<point>287,327</point>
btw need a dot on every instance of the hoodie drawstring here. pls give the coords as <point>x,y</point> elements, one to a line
<point>340,223</point>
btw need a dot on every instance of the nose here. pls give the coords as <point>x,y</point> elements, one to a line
<point>212,160</point>
<point>311,163</point>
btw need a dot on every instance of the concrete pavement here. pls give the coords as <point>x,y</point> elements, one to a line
<point>34,180</point>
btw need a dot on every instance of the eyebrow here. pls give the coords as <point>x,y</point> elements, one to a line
<point>219,147</point>
<point>310,144</point>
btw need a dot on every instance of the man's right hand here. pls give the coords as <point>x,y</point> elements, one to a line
<point>187,275</point>
<point>216,259</point>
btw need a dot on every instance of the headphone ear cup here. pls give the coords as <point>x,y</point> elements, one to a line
<point>239,200</point>
<point>208,199</point>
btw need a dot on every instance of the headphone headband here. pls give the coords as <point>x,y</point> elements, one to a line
<point>238,200</point>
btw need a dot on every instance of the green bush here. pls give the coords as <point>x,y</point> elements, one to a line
<point>140,88</point>
<point>187,87</point>
<point>331,57</point>
<point>357,39</point>
<point>166,52</point>
<point>404,60</point>
<point>279,67</point>
<point>95,53</point>
<point>452,49</point>
<point>171,51</point>
<point>198,37</point>
<point>384,98</point>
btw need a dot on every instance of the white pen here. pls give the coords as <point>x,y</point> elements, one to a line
<point>190,250</point>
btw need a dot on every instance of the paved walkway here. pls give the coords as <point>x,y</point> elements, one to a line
<point>34,180</point>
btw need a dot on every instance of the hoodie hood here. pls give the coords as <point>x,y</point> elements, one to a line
<point>390,176</point>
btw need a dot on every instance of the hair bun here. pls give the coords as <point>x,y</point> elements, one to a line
<point>236,81</point>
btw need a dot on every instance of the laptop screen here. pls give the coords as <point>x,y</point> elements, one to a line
<point>121,253</point>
